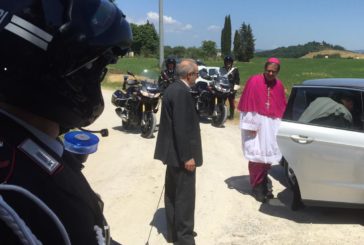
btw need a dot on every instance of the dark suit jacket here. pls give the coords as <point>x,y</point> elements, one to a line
<point>179,137</point>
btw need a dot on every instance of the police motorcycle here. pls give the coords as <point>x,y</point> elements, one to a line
<point>210,93</point>
<point>164,81</point>
<point>138,102</point>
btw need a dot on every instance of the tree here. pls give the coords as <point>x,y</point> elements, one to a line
<point>168,51</point>
<point>209,48</point>
<point>250,44</point>
<point>145,39</point>
<point>195,53</point>
<point>226,37</point>
<point>242,34</point>
<point>237,49</point>
<point>179,51</point>
<point>247,43</point>
<point>222,44</point>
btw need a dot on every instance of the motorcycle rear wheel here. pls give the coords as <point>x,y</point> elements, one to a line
<point>219,119</point>
<point>149,126</point>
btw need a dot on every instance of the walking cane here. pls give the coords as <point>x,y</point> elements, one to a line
<point>151,227</point>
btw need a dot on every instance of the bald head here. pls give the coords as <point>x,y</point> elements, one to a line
<point>188,71</point>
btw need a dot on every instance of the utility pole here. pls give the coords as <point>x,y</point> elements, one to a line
<point>161,35</point>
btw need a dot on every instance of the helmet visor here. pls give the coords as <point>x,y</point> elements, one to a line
<point>103,17</point>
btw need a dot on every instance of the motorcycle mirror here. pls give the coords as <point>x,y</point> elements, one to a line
<point>207,77</point>
<point>130,73</point>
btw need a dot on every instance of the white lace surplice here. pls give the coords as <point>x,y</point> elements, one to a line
<point>263,147</point>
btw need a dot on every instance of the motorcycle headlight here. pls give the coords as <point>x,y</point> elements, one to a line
<point>144,93</point>
<point>218,87</point>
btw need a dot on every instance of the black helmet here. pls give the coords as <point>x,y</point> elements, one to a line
<point>228,58</point>
<point>54,53</point>
<point>171,61</point>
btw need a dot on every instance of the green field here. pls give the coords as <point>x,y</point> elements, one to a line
<point>293,71</point>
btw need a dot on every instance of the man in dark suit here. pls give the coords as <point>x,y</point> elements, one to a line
<point>179,147</point>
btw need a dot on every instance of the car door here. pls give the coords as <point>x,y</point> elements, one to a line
<point>328,160</point>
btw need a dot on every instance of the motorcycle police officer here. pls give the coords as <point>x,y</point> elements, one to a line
<point>53,56</point>
<point>168,75</point>
<point>234,79</point>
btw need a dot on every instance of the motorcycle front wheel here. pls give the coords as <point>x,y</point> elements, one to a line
<point>126,124</point>
<point>220,115</point>
<point>150,122</point>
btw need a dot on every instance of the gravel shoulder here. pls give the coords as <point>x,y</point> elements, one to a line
<point>130,182</point>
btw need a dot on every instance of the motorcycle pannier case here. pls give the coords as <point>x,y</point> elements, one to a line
<point>118,98</point>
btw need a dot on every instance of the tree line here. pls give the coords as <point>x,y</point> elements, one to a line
<point>146,43</point>
<point>298,51</point>
<point>242,47</point>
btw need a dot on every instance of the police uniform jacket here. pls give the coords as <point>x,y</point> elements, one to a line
<point>234,77</point>
<point>29,160</point>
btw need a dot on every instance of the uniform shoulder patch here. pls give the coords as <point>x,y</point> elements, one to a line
<point>39,155</point>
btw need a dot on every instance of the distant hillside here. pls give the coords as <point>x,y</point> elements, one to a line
<point>298,50</point>
<point>358,51</point>
<point>330,53</point>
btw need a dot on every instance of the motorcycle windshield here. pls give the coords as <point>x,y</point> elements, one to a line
<point>149,80</point>
<point>148,76</point>
<point>223,81</point>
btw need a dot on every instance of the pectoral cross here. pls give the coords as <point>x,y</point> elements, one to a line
<point>268,96</point>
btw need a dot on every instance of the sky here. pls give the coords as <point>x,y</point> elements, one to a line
<point>278,23</point>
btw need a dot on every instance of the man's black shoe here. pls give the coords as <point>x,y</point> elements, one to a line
<point>194,234</point>
<point>171,240</point>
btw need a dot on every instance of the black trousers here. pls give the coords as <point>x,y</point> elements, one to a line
<point>231,99</point>
<point>179,201</point>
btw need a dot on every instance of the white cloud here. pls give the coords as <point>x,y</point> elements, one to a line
<point>153,16</point>
<point>186,27</point>
<point>170,24</point>
<point>213,28</point>
<point>137,22</point>
<point>169,20</point>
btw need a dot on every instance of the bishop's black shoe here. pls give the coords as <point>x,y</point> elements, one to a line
<point>259,193</point>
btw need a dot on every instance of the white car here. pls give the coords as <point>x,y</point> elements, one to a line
<point>322,142</point>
